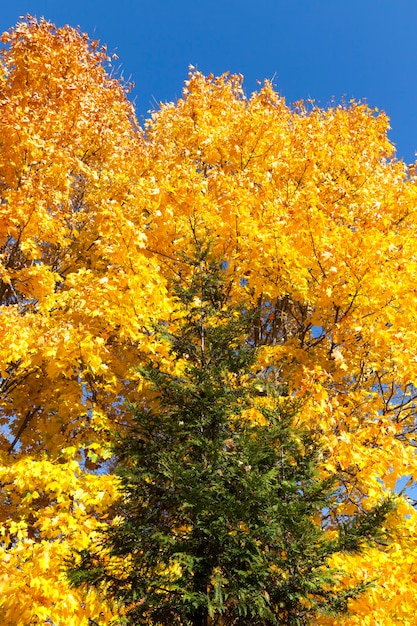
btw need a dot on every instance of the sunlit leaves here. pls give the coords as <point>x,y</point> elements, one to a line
<point>311,215</point>
<point>59,509</point>
<point>316,226</point>
<point>77,290</point>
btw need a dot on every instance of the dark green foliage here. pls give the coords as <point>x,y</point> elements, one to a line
<point>220,514</point>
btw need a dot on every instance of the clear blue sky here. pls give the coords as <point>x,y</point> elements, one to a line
<point>363,49</point>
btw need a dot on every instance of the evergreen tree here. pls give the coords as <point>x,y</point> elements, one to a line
<point>221,499</point>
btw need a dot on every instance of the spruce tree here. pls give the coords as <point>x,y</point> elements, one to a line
<point>221,498</point>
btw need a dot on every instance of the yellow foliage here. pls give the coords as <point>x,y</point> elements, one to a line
<point>315,221</point>
<point>58,508</point>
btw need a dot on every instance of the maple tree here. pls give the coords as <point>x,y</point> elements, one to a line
<point>314,220</point>
<point>77,290</point>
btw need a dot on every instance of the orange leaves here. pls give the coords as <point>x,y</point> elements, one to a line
<point>317,228</point>
<point>316,225</point>
<point>76,276</point>
<point>274,188</point>
<point>78,292</point>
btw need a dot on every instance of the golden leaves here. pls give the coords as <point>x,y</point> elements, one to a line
<point>59,508</point>
<point>316,227</point>
<point>77,294</point>
<point>315,222</point>
<point>76,276</point>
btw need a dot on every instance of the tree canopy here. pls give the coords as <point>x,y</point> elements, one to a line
<point>221,514</point>
<point>314,221</point>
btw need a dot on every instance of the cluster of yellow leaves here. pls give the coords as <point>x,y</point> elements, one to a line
<point>392,571</point>
<point>315,221</point>
<point>316,224</point>
<point>72,264</point>
<point>77,290</point>
<point>58,509</point>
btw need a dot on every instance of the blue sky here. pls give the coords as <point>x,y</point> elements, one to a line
<point>320,49</point>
